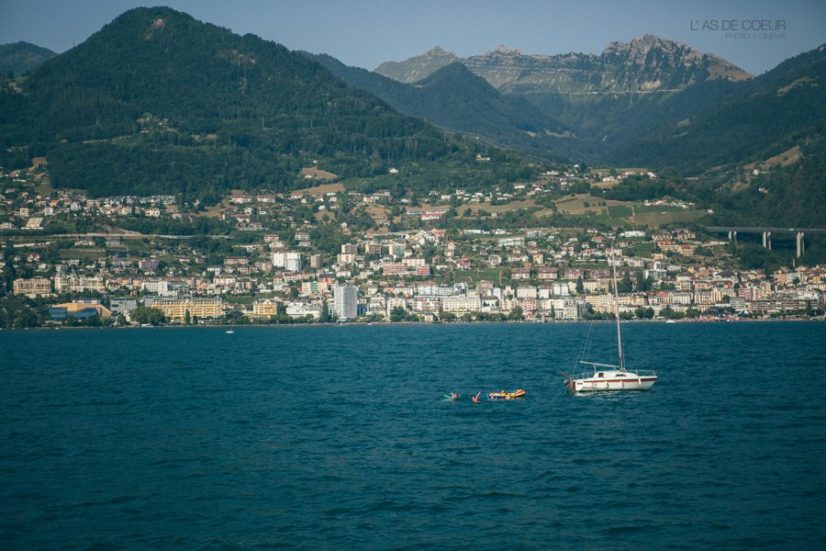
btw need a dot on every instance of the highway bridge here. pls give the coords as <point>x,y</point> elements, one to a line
<point>767,231</point>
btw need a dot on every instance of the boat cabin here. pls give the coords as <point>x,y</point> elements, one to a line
<point>609,375</point>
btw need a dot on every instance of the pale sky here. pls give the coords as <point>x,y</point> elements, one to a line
<point>365,33</point>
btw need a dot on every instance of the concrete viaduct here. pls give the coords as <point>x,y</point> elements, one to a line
<point>767,232</point>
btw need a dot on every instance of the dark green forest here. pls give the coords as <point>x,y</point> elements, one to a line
<point>456,99</point>
<point>754,120</point>
<point>20,57</point>
<point>159,102</point>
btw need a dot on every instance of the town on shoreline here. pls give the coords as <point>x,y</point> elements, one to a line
<point>328,254</point>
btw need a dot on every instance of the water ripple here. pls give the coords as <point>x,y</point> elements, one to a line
<point>339,437</point>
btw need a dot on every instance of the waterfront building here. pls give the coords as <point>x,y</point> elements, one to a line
<point>176,308</point>
<point>395,302</point>
<point>158,287</point>
<point>346,302</point>
<point>462,303</point>
<point>376,305</point>
<point>122,305</point>
<point>301,309</point>
<point>265,308</point>
<point>425,304</point>
<point>78,310</point>
<point>32,287</point>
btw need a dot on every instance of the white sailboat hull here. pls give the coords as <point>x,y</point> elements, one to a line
<point>602,381</point>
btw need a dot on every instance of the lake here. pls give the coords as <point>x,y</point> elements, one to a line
<point>338,437</point>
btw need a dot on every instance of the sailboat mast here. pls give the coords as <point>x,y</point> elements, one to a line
<point>616,311</point>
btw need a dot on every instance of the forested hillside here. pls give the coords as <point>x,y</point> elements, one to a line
<point>159,102</point>
<point>455,99</point>
<point>759,119</point>
<point>20,57</point>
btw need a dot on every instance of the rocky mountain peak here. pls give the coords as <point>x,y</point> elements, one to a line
<point>639,50</point>
<point>418,67</point>
<point>501,49</point>
<point>668,61</point>
<point>438,51</point>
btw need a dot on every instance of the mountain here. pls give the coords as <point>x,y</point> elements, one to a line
<point>20,57</point>
<point>199,109</point>
<point>644,65</point>
<point>417,68</point>
<point>455,99</point>
<point>756,146</point>
<point>760,118</point>
<point>762,149</point>
<point>606,99</point>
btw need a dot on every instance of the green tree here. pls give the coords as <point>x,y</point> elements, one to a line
<point>398,314</point>
<point>17,312</point>
<point>516,314</point>
<point>447,316</point>
<point>671,314</point>
<point>151,316</point>
<point>235,317</point>
<point>624,285</point>
<point>643,283</point>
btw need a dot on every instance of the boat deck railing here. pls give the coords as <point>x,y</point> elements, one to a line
<point>634,373</point>
<point>645,372</point>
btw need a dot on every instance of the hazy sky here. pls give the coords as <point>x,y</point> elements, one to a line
<point>367,32</point>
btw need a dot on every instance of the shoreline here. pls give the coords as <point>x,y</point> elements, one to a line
<point>416,323</point>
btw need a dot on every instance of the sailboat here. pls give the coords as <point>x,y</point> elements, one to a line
<point>604,377</point>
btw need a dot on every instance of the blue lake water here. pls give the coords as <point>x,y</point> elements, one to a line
<point>339,438</point>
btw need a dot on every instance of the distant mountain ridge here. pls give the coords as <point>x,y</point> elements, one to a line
<point>644,64</point>
<point>604,100</point>
<point>21,57</point>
